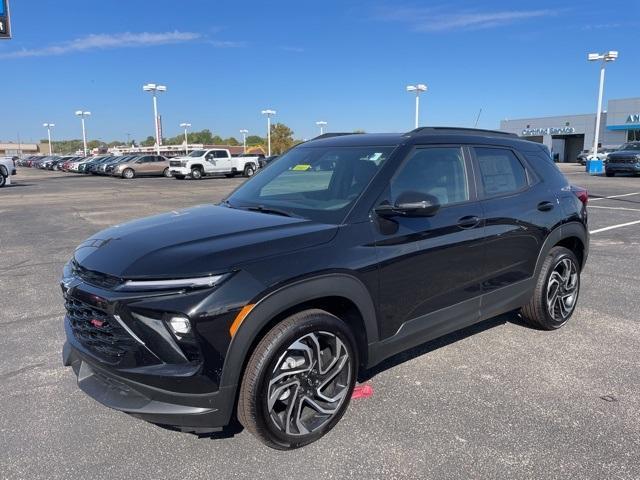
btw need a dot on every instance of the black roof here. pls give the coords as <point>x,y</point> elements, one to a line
<point>426,135</point>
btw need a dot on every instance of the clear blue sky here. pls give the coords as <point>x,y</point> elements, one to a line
<point>346,62</point>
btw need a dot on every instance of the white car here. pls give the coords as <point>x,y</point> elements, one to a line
<point>7,169</point>
<point>212,161</point>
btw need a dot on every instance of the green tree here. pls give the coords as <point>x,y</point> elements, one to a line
<point>281,138</point>
<point>231,141</point>
<point>148,142</point>
<point>253,140</point>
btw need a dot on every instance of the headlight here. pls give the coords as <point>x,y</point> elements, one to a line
<point>183,163</point>
<point>146,285</point>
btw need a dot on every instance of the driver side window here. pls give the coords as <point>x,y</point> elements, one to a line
<point>436,171</point>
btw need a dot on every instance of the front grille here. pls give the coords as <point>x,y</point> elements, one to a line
<point>97,279</point>
<point>175,163</point>
<point>98,331</point>
<point>626,159</point>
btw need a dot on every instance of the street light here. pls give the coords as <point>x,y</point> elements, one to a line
<point>609,56</point>
<point>186,139</point>
<point>321,124</point>
<point>269,114</point>
<point>82,115</point>
<point>155,89</point>
<point>417,89</point>
<point>49,126</point>
<point>244,139</point>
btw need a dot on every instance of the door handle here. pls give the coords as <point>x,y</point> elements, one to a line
<point>545,206</point>
<point>469,221</point>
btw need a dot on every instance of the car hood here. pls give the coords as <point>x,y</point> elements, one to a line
<point>196,241</point>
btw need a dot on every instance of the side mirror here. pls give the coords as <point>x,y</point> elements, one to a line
<point>410,204</point>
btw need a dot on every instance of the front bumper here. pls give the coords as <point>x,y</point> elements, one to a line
<point>180,171</point>
<point>623,167</point>
<point>196,413</point>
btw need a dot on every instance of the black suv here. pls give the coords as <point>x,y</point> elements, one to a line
<point>625,160</point>
<point>347,250</point>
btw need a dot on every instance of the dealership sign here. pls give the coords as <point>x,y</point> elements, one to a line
<point>537,132</point>
<point>5,25</point>
<point>633,118</point>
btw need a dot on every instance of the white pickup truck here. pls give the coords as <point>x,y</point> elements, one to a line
<point>212,161</point>
<point>7,168</point>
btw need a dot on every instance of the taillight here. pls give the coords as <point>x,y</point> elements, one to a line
<point>581,193</point>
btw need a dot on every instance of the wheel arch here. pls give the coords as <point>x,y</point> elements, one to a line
<point>3,171</point>
<point>339,294</point>
<point>573,236</point>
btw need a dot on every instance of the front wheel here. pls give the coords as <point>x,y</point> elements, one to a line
<point>167,172</point>
<point>556,292</point>
<point>196,174</point>
<point>3,180</point>
<point>127,173</point>
<point>299,380</point>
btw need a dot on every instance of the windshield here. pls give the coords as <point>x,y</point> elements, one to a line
<point>318,183</point>
<point>197,153</point>
<point>631,146</point>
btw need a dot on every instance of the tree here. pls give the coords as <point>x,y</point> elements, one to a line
<point>281,138</point>
<point>148,142</point>
<point>231,141</point>
<point>255,140</point>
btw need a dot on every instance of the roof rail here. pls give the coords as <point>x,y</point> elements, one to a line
<point>467,131</point>
<point>335,134</point>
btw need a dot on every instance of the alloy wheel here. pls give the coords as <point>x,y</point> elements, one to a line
<point>309,383</point>
<point>562,290</point>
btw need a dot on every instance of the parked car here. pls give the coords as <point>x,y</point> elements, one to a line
<point>7,169</point>
<point>144,165</point>
<point>625,160</point>
<point>603,154</point>
<point>214,161</point>
<point>270,303</point>
<point>108,167</point>
<point>266,161</point>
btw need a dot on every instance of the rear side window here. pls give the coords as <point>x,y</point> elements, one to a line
<point>220,154</point>
<point>436,171</point>
<point>500,171</point>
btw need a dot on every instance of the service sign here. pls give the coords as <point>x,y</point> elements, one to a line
<point>5,25</point>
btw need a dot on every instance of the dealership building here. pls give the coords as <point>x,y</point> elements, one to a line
<point>568,135</point>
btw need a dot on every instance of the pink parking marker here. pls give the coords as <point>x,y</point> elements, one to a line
<point>362,391</point>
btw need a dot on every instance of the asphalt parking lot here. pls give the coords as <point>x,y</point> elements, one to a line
<point>499,400</point>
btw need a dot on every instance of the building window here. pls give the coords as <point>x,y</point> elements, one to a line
<point>633,135</point>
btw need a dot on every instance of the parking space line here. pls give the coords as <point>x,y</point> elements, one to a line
<point>617,208</point>
<point>614,226</point>
<point>614,196</point>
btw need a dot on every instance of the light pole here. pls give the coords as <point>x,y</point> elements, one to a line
<point>609,56</point>
<point>82,115</point>
<point>244,132</point>
<point>155,89</point>
<point>417,89</point>
<point>49,126</point>
<point>186,139</point>
<point>321,124</point>
<point>269,114</point>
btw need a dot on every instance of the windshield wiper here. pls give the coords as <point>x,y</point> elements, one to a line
<point>270,210</point>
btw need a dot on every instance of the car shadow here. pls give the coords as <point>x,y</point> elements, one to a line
<point>428,347</point>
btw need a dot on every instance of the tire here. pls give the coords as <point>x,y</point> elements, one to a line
<point>249,170</point>
<point>3,180</point>
<point>560,268</point>
<point>196,173</point>
<point>610,174</point>
<point>179,177</point>
<point>127,173</point>
<point>273,422</point>
<point>166,173</point>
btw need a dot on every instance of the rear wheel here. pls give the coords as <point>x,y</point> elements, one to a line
<point>196,173</point>
<point>299,380</point>
<point>128,173</point>
<point>557,290</point>
<point>249,170</point>
<point>167,172</point>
